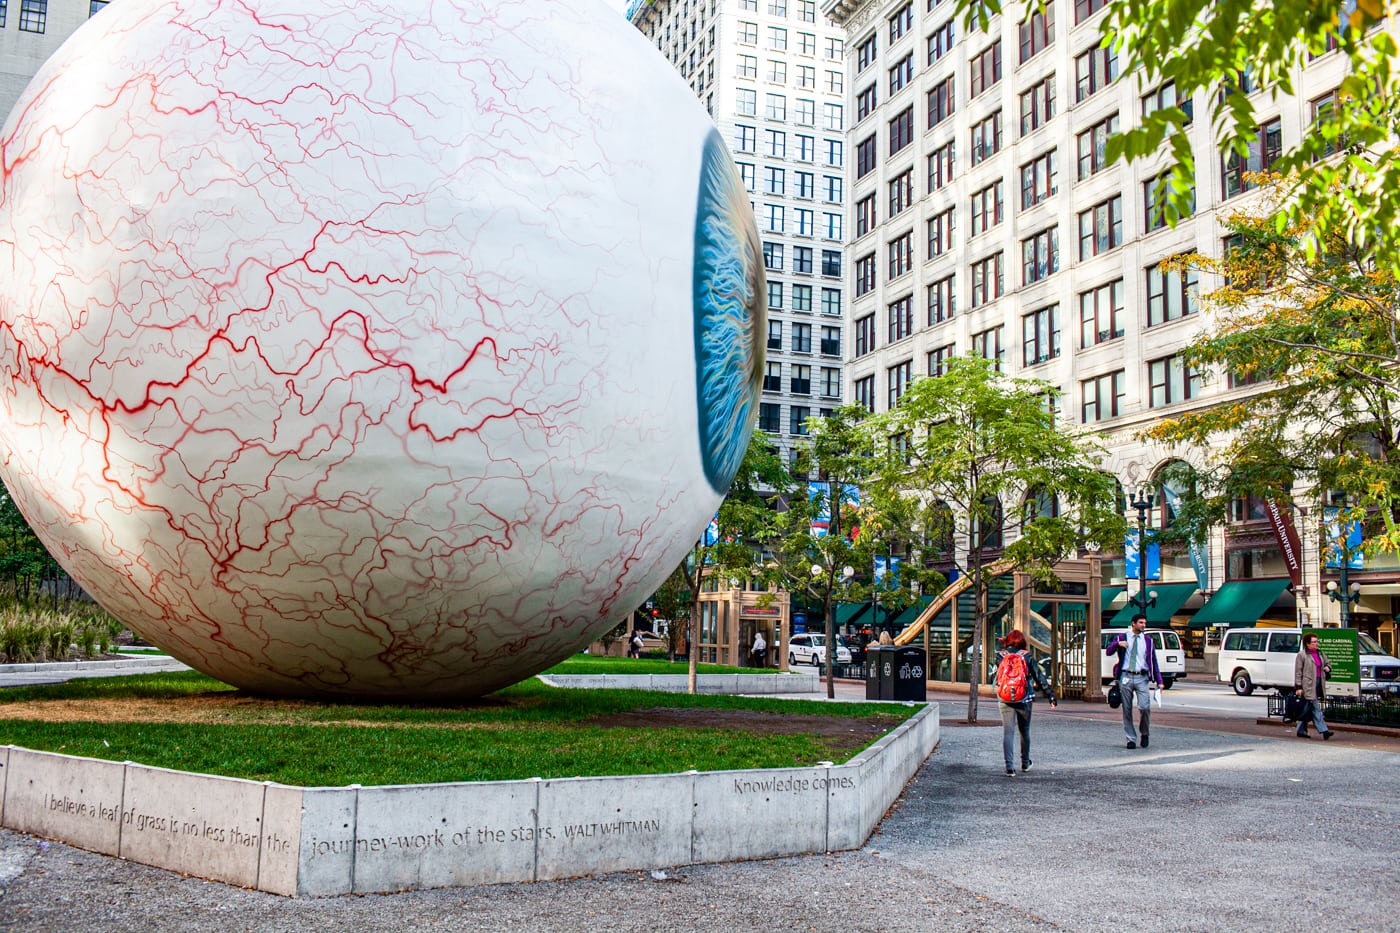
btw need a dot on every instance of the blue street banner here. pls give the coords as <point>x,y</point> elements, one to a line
<point>887,567</point>
<point>1343,539</point>
<point>1130,557</point>
<point>820,493</point>
<point>711,535</point>
<point>1200,557</point>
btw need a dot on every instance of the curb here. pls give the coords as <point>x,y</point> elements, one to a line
<point>159,660</point>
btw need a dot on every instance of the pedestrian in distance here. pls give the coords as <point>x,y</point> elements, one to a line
<point>759,650</point>
<point>634,647</point>
<point>1136,672</point>
<point>885,639</point>
<point>1310,670</point>
<point>1017,678</point>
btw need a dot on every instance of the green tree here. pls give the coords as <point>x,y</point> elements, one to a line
<point>726,548</point>
<point>965,444</point>
<point>835,523</point>
<point>672,601</point>
<point>1310,325</point>
<point>25,565</point>
<point>1219,51</point>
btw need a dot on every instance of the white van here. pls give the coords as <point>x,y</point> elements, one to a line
<point>1263,657</point>
<point>1171,659</point>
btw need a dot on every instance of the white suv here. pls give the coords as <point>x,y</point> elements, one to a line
<point>811,649</point>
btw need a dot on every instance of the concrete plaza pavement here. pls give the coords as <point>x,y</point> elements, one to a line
<point>1206,830</point>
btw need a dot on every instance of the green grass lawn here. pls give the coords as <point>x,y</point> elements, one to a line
<point>528,730</point>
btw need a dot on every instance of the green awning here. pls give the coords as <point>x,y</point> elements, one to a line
<point>1238,603</point>
<point>1107,595</point>
<point>849,613</point>
<point>1170,598</point>
<point>906,618</point>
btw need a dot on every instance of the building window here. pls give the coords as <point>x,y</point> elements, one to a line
<point>775,143</point>
<point>802,259</point>
<point>770,417</point>
<point>942,301</point>
<point>745,138</point>
<point>831,382</point>
<point>774,181</point>
<point>901,74</point>
<point>1322,111</point>
<point>940,42</point>
<point>865,103</point>
<point>1264,150</point>
<point>777,8</point>
<point>748,33</point>
<point>772,255</point>
<point>750,5</point>
<point>1101,314</point>
<point>1040,335</point>
<point>988,345</point>
<point>775,218</point>
<point>747,67</point>
<point>900,253</point>
<point>1163,98</point>
<point>775,107</point>
<point>831,340</point>
<point>805,221</point>
<point>865,215</point>
<point>835,152</point>
<point>800,383</point>
<point>1101,227</point>
<point>866,53</point>
<point>773,377</point>
<point>777,72</point>
<point>1083,9</point>
<point>984,70</point>
<point>835,83</point>
<point>804,184</point>
<point>833,117</point>
<point>898,377</point>
<point>1093,146</point>
<point>777,38</point>
<point>1154,202</point>
<point>1038,106</point>
<point>797,419</point>
<point>93,7</point>
<point>775,335</point>
<point>987,280</point>
<point>835,49</point>
<point>807,11</point>
<point>1093,71</point>
<point>33,15</point>
<point>865,274</point>
<point>1101,397</point>
<point>831,264</point>
<point>901,318</point>
<point>940,233</point>
<point>939,359</point>
<point>940,102</point>
<point>986,209</point>
<point>901,191</point>
<point>4,9</point>
<point>801,338</point>
<point>866,156</point>
<point>1040,256</point>
<point>902,130</point>
<point>1170,381</point>
<point>807,44</point>
<point>1170,295</point>
<point>940,167</point>
<point>802,298</point>
<point>1039,179</point>
<point>1037,32</point>
<point>834,186</point>
<point>901,22</point>
<point>831,300</point>
<point>986,138</point>
<point>865,335</point>
<point>775,296</point>
<point>865,392</point>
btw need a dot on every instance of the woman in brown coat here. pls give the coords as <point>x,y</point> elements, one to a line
<point>1310,671</point>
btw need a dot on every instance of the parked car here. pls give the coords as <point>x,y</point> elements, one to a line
<point>1171,658</point>
<point>1263,657</point>
<point>811,649</point>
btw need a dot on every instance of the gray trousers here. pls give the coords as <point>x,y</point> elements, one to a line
<point>1015,716</point>
<point>1137,690</point>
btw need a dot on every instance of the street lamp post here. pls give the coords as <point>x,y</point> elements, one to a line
<point>1142,600</point>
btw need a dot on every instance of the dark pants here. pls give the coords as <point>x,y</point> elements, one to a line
<point>1015,716</point>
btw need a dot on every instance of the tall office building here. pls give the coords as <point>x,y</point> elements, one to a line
<point>31,31</point>
<point>772,75</point>
<point>986,220</point>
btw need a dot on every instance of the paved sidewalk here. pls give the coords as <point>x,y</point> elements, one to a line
<point>1207,830</point>
<point>54,672</point>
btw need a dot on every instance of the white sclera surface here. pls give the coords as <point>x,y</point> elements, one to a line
<point>348,346</point>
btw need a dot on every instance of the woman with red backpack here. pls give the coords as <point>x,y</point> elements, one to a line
<point>1016,672</point>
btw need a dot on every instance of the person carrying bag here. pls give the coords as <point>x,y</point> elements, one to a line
<point>1310,670</point>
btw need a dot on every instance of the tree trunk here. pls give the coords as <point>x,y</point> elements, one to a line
<point>830,648</point>
<point>692,649</point>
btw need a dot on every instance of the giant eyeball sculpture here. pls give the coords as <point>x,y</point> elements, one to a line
<point>369,348</point>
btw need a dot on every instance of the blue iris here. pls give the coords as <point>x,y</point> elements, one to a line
<point>730,313</point>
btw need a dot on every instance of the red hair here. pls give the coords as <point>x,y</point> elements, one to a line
<point>1014,640</point>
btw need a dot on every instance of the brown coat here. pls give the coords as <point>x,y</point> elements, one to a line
<point>1305,673</point>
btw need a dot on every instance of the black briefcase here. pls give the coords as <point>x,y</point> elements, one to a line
<point>1294,707</point>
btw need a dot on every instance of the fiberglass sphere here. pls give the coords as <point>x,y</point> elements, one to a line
<point>371,349</point>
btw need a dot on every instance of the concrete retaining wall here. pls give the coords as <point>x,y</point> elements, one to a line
<point>806,682</point>
<point>326,841</point>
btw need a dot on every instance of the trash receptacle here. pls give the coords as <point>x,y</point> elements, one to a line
<point>873,655</point>
<point>907,677</point>
<point>886,672</point>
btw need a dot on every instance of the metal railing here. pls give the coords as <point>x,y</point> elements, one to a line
<point>1368,710</point>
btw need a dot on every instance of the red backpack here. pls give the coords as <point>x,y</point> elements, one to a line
<point>1012,683</point>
